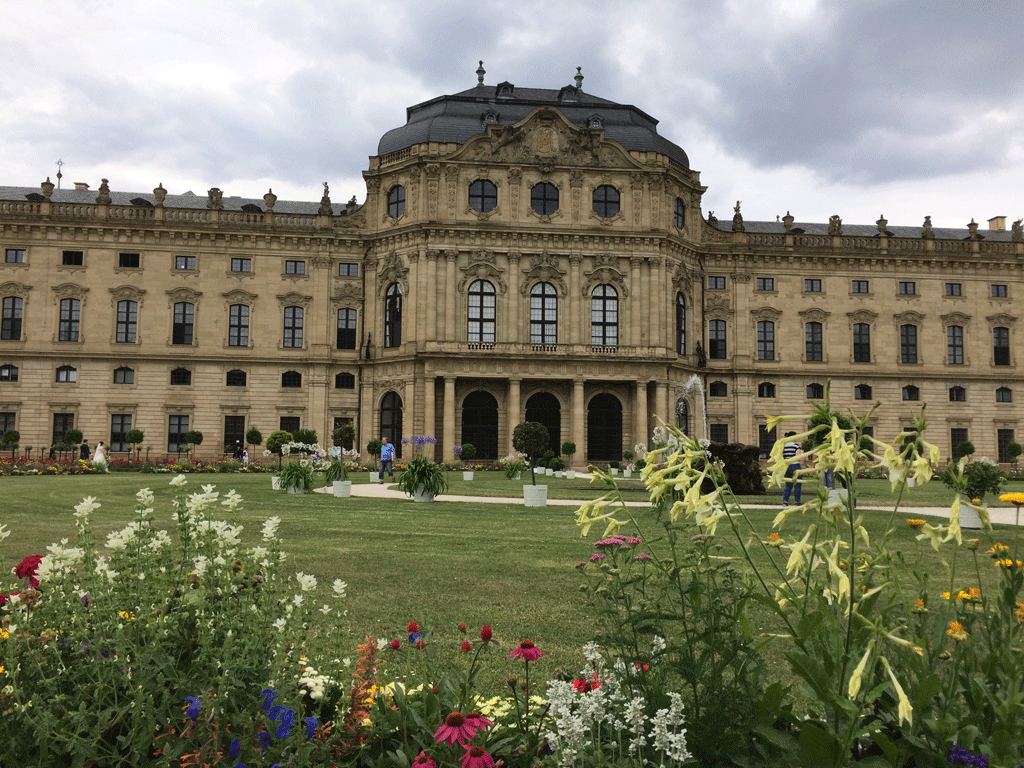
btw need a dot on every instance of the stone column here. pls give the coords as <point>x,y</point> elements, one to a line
<point>661,402</point>
<point>423,301</point>
<point>648,322</point>
<point>411,302</point>
<point>409,409</point>
<point>513,332</point>
<point>431,295</point>
<point>658,313</point>
<point>513,409</point>
<point>636,312</point>
<point>575,335</point>
<point>366,429</point>
<point>449,415</point>
<point>450,256</point>
<point>428,404</point>
<point>579,418</point>
<point>640,417</point>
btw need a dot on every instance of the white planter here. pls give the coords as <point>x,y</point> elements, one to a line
<point>375,477</point>
<point>911,482</point>
<point>559,473</point>
<point>295,489</point>
<point>275,482</point>
<point>342,488</point>
<point>627,473</point>
<point>422,495</point>
<point>570,474</point>
<point>467,474</point>
<point>969,517</point>
<point>535,495</point>
<point>549,471</point>
<point>615,472</point>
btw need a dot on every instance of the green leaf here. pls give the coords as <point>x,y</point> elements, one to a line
<point>822,747</point>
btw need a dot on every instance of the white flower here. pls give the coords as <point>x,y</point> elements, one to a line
<point>270,528</point>
<point>340,587</point>
<point>297,600</point>
<point>382,643</point>
<point>306,582</point>
<point>4,533</point>
<point>326,609</point>
<point>232,500</point>
<point>87,505</point>
<point>201,564</point>
<point>280,624</point>
<point>145,497</point>
<point>179,481</point>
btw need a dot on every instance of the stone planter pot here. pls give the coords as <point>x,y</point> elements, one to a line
<point>549,471</point>
<point>295,489</point>
<point>375,477</point>
<point>535,495</point>
<point>467,474</point>
<point>627,473</point>
<point>275,482</point>
<point>342,488</point>
<point>570,474</point>
<point>559,473</point>
<point>615,472</point>
<point>969,517</point>
<point>422,495</point>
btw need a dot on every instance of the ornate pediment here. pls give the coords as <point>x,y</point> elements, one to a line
<point>1001,319</point>
<point>765,313</point>
<point>483,269</point>
<point>69,291</point>
<point>955,318</point>
<point>605,275</point>
<point>862,316</point>
<point>239,296</point>
<point>682,280</point>
<point>293,299</point>
<point>392,270</point>
<point>543,268</point>
<point>184,294</point>
<point>814,315</point>
<point>127,293</point>
<point>718,307</point>
<point>15,289</point>
<point>348,294</point>
<point>546,137</point>
<point>912,318</point>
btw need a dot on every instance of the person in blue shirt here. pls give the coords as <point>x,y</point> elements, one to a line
<point>387,458</point>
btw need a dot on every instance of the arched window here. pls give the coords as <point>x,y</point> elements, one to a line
<point>396,201</point>
<point>124,375</point>
<point>606,201</point>
<point>184,321</point>
<point>10,324</point>
<point>680,324</point>
<point>346,329</point>
<point>293,317</point>
<point>238,325</point>
<point>766,389</point>
<point>815,391</point>
<point>544,198</point>
<point>67,374</point>
<point>765,340</point>
<point>813,347</point>
<point>862,392</point>
<point>236,378</point>
<point>127,322</point>
<point>680,213</point>
<point>544,408</point>
<point>8,372</point>
<point>181,376</point>
<point>604,428</point>
<point>480,312</point>
<point>910,392</point>
<point>393,317</point>
<point>70,314</point>
<point>345,380</point>
<point>683,416</point>
<point>604,316</point>
<point>1004,395</point>
<point>391,420</point>
<point>291,379</point>
<point>543,314</point>
<point>483,195</point>
<point>718,389</point>
<point>957,394</point>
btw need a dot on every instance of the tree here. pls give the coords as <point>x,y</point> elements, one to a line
<point>568,450</point>
<point>278,438</point>
<point>135,437</point>
<point>1013,452</point>
<point>373,448</point>
<point>194,437</point>
<point>253,437</point>
<point>530,438</point>
<point>306,436</point>
<point>9,440</point>
<point>965,448</point>
<point>345,435</point>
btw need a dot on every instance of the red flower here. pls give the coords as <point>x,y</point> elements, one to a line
<point>485,633</point>
<point>396,644</point>
<point>587,684</point>
<point>467,647</point>
<point>413,627</point>
<point>423,760</point>
<point>462,628</point>
<point>526,650</point>
<point>477,757</point>
<point>457,728</point>
<point>28,568</point>
<point>421,644</point>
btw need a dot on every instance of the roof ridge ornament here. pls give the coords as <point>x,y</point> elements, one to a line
<point>480,72</point>
<point>578,78</point>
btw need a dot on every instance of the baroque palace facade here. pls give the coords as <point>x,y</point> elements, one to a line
<point>522,254</point>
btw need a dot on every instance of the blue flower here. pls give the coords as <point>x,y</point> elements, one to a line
<point>264,739</point>
<point>311,724</point>
<point>268,697</point>
<point>236,747</point>
<point>287,718</point>
<point>414,636</point>
<point>195,703</point>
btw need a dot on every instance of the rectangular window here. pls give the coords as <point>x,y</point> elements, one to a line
<point>295,267</point>
<point>348,269</point>
<point>1004,395</point>
<point>177,428</point>
<point>952,289</point>
<point>765,340</point>
<point>14,256</point>
<point>814,348</point>
<point>73,258</point>
<point>1001,346</point>
<point>124,375</point>
<point>6,421</point>
<point>998,291</point>
<point>766,283</point>
<point>955,344</point>
<point>908,343</point>
<point>62,424</point>
<point>716,340</point>
<point>346,329</point>
<point>957,435</point>
<point>120,425</point>
<point>238,325</point>
<point>1003,438</point>
<point>290,424</point>
<point>10,324</point>
<point>234,433</point>
<point>718,433</point>
<point>128,261</point>
<point>765,440</point>
<point>859,286</point>
<point>908,289</point>
<point>184,322</point>
<point>293,327</point>
<point>70,314</point>
<point>716,282</point>
<point>241,265</point>
<point>812,285</point>
<point>184,262</point>
<point>127,321</point>
<point>861,343</point>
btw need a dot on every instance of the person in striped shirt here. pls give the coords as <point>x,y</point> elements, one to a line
<point>791,452</point>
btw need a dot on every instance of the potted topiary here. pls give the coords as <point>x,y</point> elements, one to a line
<point>134,437</point>
<point>275,445</point>
<point>1013,452</point>
<point>613,466</point>
<point>627,470</point>
<point>545,462</point>
<point>423,479</point>
<point>253,437</point>
<point>468,454</point>
<point>569,450</point>
<point>193,437</point>
<point>296,477</point>
<point>373,448</point>
<point>558,465</point>
<point>337,475</point>
<point>531,438</point>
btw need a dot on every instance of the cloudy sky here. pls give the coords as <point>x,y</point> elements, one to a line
<point>849,107</point>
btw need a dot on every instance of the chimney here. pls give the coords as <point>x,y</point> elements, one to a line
<point>81,185</point>
<point>997,223</point>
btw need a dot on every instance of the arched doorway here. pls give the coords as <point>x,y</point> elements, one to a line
<point>683,416</point>
<point>480,423</point>
<point>545,409</point>
<point>391,421</point>
<point>604,428</point>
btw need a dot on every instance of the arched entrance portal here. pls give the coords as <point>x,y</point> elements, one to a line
<point>391,421</point>
<point>480,423</point>
<point>604,428</point>
<point>545,409</point>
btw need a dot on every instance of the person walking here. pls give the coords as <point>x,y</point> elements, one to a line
<point>100,456</point>
<point>791,452</point>
<point>84,451</point>
<point>387,459</point>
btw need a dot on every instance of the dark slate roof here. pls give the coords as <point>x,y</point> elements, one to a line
<point>188,200</point>
<point>457,118</point>
<point>865,230</point>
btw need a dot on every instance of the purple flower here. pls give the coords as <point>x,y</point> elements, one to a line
<point>195,703</point>
<point>268,697</point>
<point>644,556</point>
<point>287,718</point>
<point>236,747</point>
<point>311,724</point>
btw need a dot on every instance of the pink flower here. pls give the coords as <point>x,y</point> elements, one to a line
<point>477,720</point>
<point>477,757</point>
<point>485,633</point>
<point>27,569</point>
<point>643,556</point>
<point>596,557</point>
<point>457,728</point>
<point>423,760</point>
<point>467,647</point>
<point>527,651</point>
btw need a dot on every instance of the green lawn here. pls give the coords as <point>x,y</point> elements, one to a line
<point>438,564</point>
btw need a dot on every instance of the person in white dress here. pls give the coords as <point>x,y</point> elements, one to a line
<point>100,456</point>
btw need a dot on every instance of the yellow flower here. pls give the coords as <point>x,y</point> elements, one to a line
<point>933,533</point>
<point>998,551</point>
<point>956,631</point>
<point>906,711</point>
<point>920,607</point>
<point>1013,498</point>
<point>913,523</point>
<point>1020,612</point>
<point>773,537</point>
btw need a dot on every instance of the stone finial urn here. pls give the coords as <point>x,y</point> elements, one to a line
<point>160,193</point>
<point>269,199</point>
<point>47,188</point>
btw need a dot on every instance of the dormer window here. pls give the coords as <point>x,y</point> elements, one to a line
<point>141,202</point>
<point>567,93</point>
<point>504,90</point>
<point>490,117</point>
<point>595,122</point>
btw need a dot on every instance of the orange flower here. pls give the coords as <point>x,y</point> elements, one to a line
<point>914,523</point>
<point>956,631</point>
